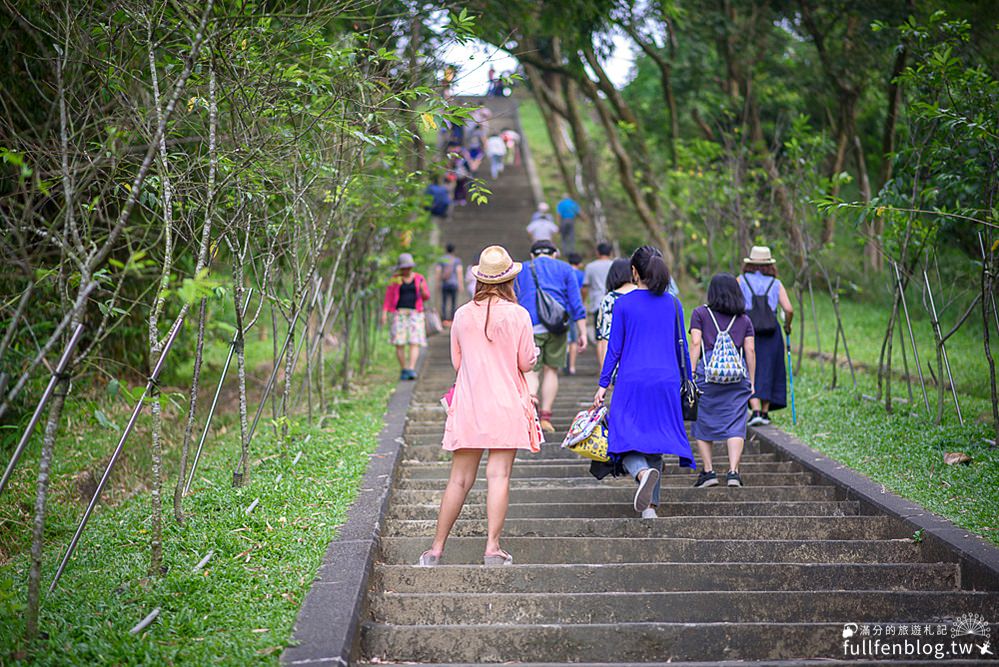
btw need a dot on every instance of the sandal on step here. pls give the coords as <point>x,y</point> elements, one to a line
<point>502,558</point>
<point>427,559</point>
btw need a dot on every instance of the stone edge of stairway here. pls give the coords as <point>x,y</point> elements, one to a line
<point>942,539</point>
<point>328,623</point>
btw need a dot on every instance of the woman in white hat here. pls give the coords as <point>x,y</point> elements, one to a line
<point>764,293</point>
<point>404,298</point>
<point>492,346</point>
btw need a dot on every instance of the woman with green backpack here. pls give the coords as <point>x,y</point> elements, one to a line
<point>724,373</point>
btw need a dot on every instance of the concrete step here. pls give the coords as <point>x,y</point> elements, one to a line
<point>683,479</point>
<point>726,527</point>
<point>625,510</point>
<point>581,469</point>
<point>624,494</point>
<point>492,608</point>
<point>755,663</point>
<point>468,550</point>
<point>607,642</point>
<point>680,576</point>
<point>427,447</point>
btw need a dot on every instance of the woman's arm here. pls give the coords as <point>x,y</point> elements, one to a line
<point>695,346</point>
<point>455,345</point>
<point>527,351</point>
<point>749,348</point>
<point>785,305</point>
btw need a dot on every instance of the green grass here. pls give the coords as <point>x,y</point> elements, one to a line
<point>241,608</point>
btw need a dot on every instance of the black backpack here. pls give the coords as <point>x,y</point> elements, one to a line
<point>763,318</point>
<point>551,313</point>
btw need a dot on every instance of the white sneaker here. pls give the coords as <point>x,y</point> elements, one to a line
<point>643,496</point>
<point>649,513</point>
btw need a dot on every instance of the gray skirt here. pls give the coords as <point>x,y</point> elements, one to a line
<point>721,411</point>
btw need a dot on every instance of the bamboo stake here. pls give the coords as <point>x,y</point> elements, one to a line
<point>943,348</point>
<point>57,374</point>
<point>153,377</point>
<point>912,340</point>
<point>145,623</point>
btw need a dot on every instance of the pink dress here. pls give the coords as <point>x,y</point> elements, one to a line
<point>491,407</point>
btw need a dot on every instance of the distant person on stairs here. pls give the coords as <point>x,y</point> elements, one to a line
<point>512,141</point>
<point>449,276</point>
<point>595,281</point>
<point>496,150</point>
<point>568,211</point>
<point>404,299</point>
<point>645,419</point>
<point>576,262</point>
<point>764,293</point>
<point>490,406</point>
<point>721,411</point>
<point>440,199</point>
<point>558,281</point>
<point>542,227</point>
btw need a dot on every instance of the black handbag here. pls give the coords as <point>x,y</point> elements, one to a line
<point>553,316</point>
<point>689,393</point>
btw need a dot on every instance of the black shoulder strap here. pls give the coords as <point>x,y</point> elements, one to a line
<point>679,340</point>
<point>745,279</point>
<point>771,284</point>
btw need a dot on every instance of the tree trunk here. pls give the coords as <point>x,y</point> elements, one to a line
<point>588,174</point>
<point>41,495</point>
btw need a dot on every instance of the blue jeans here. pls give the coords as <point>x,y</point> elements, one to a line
<point>636,462</point>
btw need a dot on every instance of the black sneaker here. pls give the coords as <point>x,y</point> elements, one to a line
<point>765,418</point>
<point>705,479</point>
<point>756,419</point>
<point>733,477</point>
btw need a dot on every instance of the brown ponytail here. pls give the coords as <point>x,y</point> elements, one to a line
<point>486,292</point>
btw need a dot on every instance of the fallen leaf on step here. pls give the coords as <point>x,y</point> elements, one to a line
<point>952,458</point>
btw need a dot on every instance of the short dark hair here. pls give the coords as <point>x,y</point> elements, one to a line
<point>575,258</point>
<point>651,268</point>
<point>765,269</point>
<point>725,295</point>
<point>619,274</point>
<point>604,249</point>
<point>449,247</point>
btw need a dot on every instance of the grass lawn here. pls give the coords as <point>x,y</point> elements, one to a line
<point>238,610</point>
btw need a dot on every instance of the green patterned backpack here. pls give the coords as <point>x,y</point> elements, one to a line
<point>725,365</point>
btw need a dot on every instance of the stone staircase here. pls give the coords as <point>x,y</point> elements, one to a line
<point>770,572</point>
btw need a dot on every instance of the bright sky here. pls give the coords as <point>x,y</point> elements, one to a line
<point>473,60</point>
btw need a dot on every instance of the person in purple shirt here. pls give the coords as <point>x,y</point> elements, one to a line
<point>721,411</point>
<point>646,343</point>
<point>558,280</point>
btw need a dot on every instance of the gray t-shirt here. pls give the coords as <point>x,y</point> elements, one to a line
<point>542,229</point>
<point>595,280</point>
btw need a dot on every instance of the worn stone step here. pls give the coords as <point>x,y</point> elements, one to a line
<point>625,510</point>
<point>616,493</point>
<point>491,608</point>
<point>582,469</point>
<point>607,642</point>
<point>467,550</point>
<point>728,527</point>
<point>683,479</point>
<point>427,447</point>
<point>533,461</point>
<point>804,662</point>
<point>680,576</point>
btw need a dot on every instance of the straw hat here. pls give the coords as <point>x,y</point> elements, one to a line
<point>405,261</point>
<point>760,254</point>
<point>495,266</point>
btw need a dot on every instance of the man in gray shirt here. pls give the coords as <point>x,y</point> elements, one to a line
<point>595,279</point>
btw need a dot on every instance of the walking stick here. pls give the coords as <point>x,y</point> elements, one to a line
<point>790,377</point>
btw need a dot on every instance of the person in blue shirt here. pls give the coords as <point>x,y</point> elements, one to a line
<point>560,281</point>
<point>568,211</point>
<point>440,198</point>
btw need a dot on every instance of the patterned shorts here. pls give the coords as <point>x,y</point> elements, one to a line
<point>408,328</point>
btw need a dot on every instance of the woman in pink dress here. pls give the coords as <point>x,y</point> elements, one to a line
<point>492,346</point>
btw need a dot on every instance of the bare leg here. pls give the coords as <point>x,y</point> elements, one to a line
<point>754,404</point>
<point>734,452</point>
<point>766,406</point>
<point>549,388</point>
<point>464,468</point>
<point>498,469</point>
<point>573,353</point>
<point>414,356</point>
<point>400,354</point>
<point>704,449</point>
